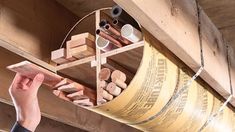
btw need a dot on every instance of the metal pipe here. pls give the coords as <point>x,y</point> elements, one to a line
<point>119,14</point>
<point>131,33</point>
<point>108,37</point>
<point>103,23</point>
<point>117,34</point>
<point>104,44</point>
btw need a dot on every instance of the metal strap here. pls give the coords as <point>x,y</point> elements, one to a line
<point>172,99</point>
<point>189,82</point>
<point>212,117</point>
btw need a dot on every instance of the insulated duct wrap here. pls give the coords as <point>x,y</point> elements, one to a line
<point>155,82</point>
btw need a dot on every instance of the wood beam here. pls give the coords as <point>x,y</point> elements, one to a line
<point>8,118</point>
<point>55,108</point>
<point>175,24</point>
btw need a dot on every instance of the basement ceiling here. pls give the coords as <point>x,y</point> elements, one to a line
<point>221,12</point>
<point>83,7</point>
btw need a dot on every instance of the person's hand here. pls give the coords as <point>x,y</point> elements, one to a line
<point>23,92</point>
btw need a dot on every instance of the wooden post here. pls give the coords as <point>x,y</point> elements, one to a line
<point>98,62</point>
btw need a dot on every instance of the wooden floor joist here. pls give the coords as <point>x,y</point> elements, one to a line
<point>175,24</point>
<point>8,118</point>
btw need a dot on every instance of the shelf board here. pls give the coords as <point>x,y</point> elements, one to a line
<point>122,49</point>
<point>75,63</point>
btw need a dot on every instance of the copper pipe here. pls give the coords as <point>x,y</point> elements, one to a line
<point>115,32</point>
<point>108,37</point>
<point>112,30</point>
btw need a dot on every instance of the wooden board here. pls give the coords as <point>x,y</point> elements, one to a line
<point>175,25</point>
<point>30,70</point>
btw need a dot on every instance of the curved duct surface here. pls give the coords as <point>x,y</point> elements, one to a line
<point>156,80</point>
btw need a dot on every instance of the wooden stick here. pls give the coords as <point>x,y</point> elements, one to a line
<point>83,102</point>
<point>120,83</point>
<point>103,84</point>
<point>113,89</point>
<point>87,104</point>
<point>115,66</point>
<point>61,83</point>
<point>78,89</point>
<point>70,88</point>
<point>107,96</point>
<point>104,74</point>
<point>61,95</point>
<point>77,95</point>
<point>103,101</point>
<point>117,74</point>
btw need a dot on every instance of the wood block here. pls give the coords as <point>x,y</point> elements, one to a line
<point>120,83</point>
<point>81,101</point>
<point>78,89</point>
<point>113,89</point>
<point>76,43</point>
<point>103,84</point>
<point>104,74</point>
<point>61,95</point>
<point>58,56</point>
<point>117,74</point>
<point>82,51</point>
<point>77,95</point>
<point>83,35</point>
<point>79,42</point>
<point>30,70</point>
<point>61,83</point>
<point>69,88</point>
<point>107,96</point>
